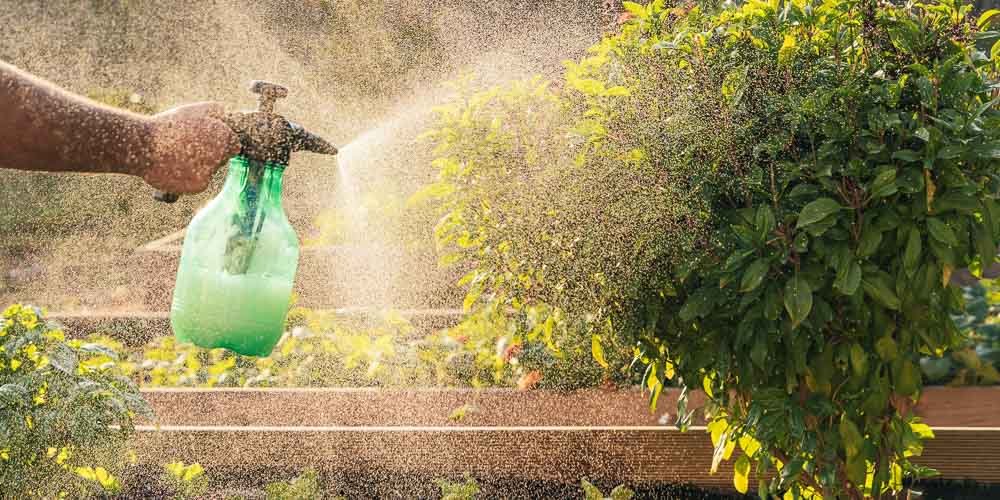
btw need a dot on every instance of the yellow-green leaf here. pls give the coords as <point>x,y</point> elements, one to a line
<point>886,348</point>
<point>749,445</point>
<point>741,474</point>
<point>988,18</point>
<point>597,350</point>
<point>636,9</point>
<point>86,473</point>
<point>851,436</point>
<point>617,91</point>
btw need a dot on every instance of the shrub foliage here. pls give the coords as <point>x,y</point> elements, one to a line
<point>767,197</point>
<point>65,414</point>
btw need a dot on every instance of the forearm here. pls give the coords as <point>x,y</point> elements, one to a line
<point>43,127</point>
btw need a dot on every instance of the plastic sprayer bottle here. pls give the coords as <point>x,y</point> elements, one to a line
<point>238,263</point>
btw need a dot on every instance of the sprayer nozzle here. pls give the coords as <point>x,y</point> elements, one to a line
<point>308,141</point>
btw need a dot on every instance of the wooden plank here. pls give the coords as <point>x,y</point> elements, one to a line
<point>619,454</point>
<point>940,407</point>
<point>565,454</point>
<point>535,435</point>
<point>960,406</point>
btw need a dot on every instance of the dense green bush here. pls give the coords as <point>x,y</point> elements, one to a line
<point>65,414</point>
<point>769,197</point>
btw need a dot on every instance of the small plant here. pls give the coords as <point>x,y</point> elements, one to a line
<point>591,492</point>
<point>305,486</point>
<point>465,490</point>
<point>65,412</point>
<point>185,481</point>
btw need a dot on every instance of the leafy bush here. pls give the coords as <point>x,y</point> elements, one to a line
<point>66,414</point>
<point>769,197</point>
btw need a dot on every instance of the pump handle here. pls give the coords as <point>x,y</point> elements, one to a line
<point>269,93</point>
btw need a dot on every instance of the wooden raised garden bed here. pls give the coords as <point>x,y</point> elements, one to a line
<point>534,435</point>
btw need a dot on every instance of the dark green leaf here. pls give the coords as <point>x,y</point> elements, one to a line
<point>911,256</point>
<point>907,155</point>
<point>848,278</point>
<point>698,305</point>
<point>820,228</point>
<point>801,243</point>
<point>877,287</point>
<point>941,232</point>
<point>870,240</point>
<point>817,211</point>
<point>758,354</point>
<point>950,152</point>
<point>884,184</point>
<point>956,200</point>
<point>798,299</point>
<point>790,472</point>
<point>772,302</point>
<point>910,180</point>
<point>944,253</point>
<point>990,150</point>
<point>764,220</point>
<point>754,275</point>
<point>803,192</point>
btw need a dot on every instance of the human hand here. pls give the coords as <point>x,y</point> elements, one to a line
<point>186,145</point>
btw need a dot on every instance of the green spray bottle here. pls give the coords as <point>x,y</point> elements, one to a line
<point>240,254</point>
